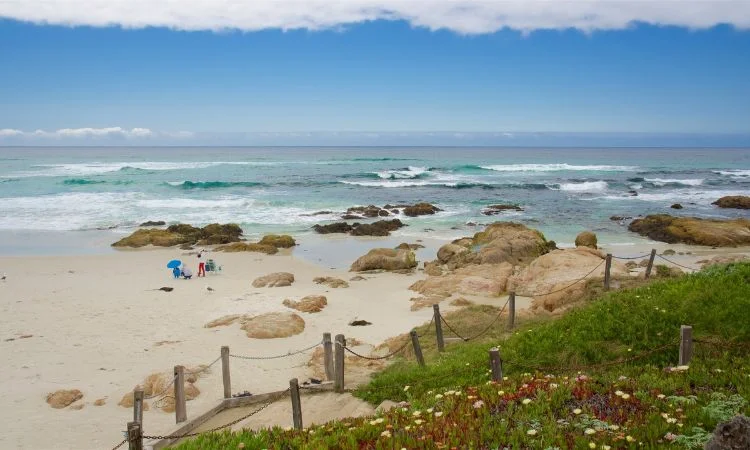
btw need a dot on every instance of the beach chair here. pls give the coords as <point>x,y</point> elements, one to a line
<point>211,266</point>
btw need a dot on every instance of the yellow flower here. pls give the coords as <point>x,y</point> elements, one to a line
<point>577,411</point>
<point>500,392</point>
<point>625,396</point>
<point>531,432</point>
<point>406,388</point>
<point>592,445</point>
<point>630,438</point>
<point>526,401</point>
<point>606,447</point>
<point>429,410</point>
<point>438,396</point>
<point>407,428</point>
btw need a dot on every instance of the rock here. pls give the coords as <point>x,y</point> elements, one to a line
<point>331,282</point>
<point>318,213</point>
<point>357,278</point>
<point>643,263</point>
<point>369,211</point>
<point>731,435</point>
<point>386,259</point>
<point>676,206</point>
<point>182,234</point>
<point>487,280</point>
<point>733,201</point>
<point>633,193</point>
<point>359,323</point>
<point>386,405</point>
<point>100,402</point>
<point>668,252</point>
<point>461,302</point>
<point>550,279</point>
<point>620,218</point>
<point>692,230</point>
<point>492,210</point>
<point>153,223</point>
<point>510,242</point>
<point>273,325</point>
<point>309,304</point>
<point>64,397</point>
<point>223,321</point>
<point>278,241</point>
<point>421,209</point>
<point>722,259</point>
<point>379,228</point>
<point>151,236</point>
<point>78,406</point>
<point>631,265</point>
<point>586,239</point>
<point>405,246</point>
<point>338,227</point>
<point>248,247</point>
<point>433,268</point>
<point>277,279</point>
<point>452,252</point>
<point>424,302</point>
<point>664,271</point>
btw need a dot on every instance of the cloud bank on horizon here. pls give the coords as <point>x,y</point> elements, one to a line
<point>86,133</point>
<point>460,16</point>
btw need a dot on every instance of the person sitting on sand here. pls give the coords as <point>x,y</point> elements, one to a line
<point>186,272</point>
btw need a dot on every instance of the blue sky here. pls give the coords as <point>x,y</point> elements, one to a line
<point>255,83</point>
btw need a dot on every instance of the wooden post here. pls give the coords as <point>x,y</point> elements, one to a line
<point>686,345</point>
<point>180,408</point>
<point>438,327</point>
<point>135,436</point>
<point>650,263</point>
<point>417,348</point>
<point>511,310</point>
<point>138,406</point>
<point>296,405</point>
<point>328,356</point>
<point>338,382</point>
<point>225,372</point>
<point>607,268</point>
<point>496,365</point>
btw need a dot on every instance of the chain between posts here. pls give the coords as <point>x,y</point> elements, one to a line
<point>124,441</point>
<point>486,329</point>
<point>297,352</point>
<point>376,358</point>
<point>234,422</point>
<point>630,258</point>
<point>677,264</point>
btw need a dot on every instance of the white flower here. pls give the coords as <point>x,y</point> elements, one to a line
<point>386,433</point>
<point>553,385</point>
<point>619,393</point>
<point>438,396</point>
<point>429,410</point>
<point>419,421</point>
<point>592,445</point>
<point>660,396</point>
<point>416,413</point>
<point>589,431</point>
<point>526,401</point>
<point>438,413</point>
<point>577,411</point>
<point>406,388</point>
<point>625,396</point>
<point>671,420</point>
<point>531,432</point>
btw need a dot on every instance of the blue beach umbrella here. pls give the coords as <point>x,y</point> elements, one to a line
<point>174,264</point>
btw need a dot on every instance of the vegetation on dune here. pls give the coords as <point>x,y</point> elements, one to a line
<point>642,400</point>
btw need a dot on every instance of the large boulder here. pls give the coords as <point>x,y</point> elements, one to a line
<point>489,280</point>
<point>692,230</point>
<point>732,435</point>
<point>733,201</point>
<point>63,398</point>
<point>338,227</point>
<point>152,236</point>
<point>586,239</point>
<point>278,241</point>
<point>420,209</point>
<point>309,304</point>
<point>273,325</point>
<point>551,278</point>
<point>182,234</point>
<point>276,279</point>
<point>385,259</point>
<point>379,228</point>
<point>369,211</point>
<point>248,247</point>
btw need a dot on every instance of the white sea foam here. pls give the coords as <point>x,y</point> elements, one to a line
<point>400,183</point>
<point>557,167</point>
<point>735,173</point>
<point>701,197</point>
<point>94,168</point>
<point>666,181</point>
<point>586,186</point>
<point>410,172</point>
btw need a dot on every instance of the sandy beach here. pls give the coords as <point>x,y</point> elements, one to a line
<point>97,323</point>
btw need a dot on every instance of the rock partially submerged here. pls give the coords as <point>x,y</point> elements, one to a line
<point>692,230</point>
<point>492,210</point>
<point>733,201</point>
<point>63,398</point>
<point>276,279</point>
<point>309,304</point>
<point>153,223</point>
<point>182,234</point>
<point>385,259</point>
<point>379,228</point>
<point>372,211</point>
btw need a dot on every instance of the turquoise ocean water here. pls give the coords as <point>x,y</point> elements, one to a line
<point>91,196</point>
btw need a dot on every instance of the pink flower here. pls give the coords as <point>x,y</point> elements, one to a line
<point>670,437</point>
<point>478,404</point>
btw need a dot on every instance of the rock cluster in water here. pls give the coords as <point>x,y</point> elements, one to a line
<point>182,234</point>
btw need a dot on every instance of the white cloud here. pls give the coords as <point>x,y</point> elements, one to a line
<point>462,16</point>
<point>86,133</point>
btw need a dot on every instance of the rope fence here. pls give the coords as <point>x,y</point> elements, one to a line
<point>285,355</point>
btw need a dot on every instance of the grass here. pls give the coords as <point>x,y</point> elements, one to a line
<point>645,403</point>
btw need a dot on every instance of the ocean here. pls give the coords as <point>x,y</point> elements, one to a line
<point>88,197</point>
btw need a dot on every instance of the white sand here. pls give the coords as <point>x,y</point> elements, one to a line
<point>96,329</point>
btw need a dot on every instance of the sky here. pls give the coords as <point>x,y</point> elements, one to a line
<point>374,72</point>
